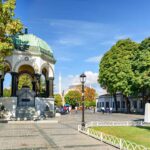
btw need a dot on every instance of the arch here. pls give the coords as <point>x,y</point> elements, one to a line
<point>30,62</point>
<point>49,69</point>
<point>7,84</point>
<point>7,67</point>
<point>45,72</point>
<point>28,69</point>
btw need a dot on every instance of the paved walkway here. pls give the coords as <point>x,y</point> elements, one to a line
<point>57,136</point>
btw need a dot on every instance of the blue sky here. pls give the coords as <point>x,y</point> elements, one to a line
<point>81,31</point>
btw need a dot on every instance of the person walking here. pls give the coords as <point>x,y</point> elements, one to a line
<point>76,109</point>
<point>103,110</point>
<point>70,109</point>
<point>94,110</point>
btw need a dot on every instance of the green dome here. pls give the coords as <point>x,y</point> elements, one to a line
<point>30,40</point>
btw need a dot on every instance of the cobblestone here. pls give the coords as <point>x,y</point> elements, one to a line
<point>57,136</point>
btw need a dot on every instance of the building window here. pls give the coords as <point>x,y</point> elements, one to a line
<point>135,104</point>
<point>97,104</point>
<point>102,104</point>
<point>107,104</point>
<point>123,104</point>
<point>141,104</point>
<point>118,104</point>
<point>113,104</point>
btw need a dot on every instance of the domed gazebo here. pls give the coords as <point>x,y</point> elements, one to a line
<point>34,57</point>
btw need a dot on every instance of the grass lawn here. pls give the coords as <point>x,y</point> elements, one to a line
<point>138,135</point>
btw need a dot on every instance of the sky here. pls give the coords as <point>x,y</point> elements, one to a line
<point>81,31</point>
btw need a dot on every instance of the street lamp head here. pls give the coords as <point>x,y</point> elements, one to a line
<point>82,78</point>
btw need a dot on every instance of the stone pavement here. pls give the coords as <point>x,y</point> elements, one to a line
<point>57,136</point>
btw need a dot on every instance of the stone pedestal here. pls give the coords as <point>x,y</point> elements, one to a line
<point>147,113</point>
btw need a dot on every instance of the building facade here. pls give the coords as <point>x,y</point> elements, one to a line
<point>107,101</point>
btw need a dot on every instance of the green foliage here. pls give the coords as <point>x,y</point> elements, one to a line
<point>73,98</point>
<point>9,26</point>
<point>142,67</point>
<point>90,103</point>
<point>58,100</point>
<point>7,92</point>
<point>115,71</point>
<point>25,80</point>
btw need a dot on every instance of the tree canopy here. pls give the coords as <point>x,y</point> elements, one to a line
<point>58,100</point>
<point>73,98</point>
<point>142,68</point>
<point>90,94</point>
<point>9,26</point>
<point>115,70</point>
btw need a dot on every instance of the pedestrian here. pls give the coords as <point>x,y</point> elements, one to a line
<point>94,110</point>
<point>70,109</point>
<point>107,109</point>
<point>76,109</point>
<point>103,110</point>
<point>110,109</point>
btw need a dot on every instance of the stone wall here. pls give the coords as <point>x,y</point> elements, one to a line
<point>10,103</point>
<point>41,103</point>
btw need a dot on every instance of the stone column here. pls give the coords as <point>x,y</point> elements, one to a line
<point>34,86</point>
<point>47,88</point>
<point>17,82</point>
<point>51,87</point>
<point>14,83</point>
<point>1,85</point>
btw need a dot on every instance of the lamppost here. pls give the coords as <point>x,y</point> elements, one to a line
<point>83,79</point>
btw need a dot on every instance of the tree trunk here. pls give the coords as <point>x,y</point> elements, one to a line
<point>115,101</point>
<point>128,105</point>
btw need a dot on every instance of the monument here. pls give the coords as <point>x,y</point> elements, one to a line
<point>34,57</point>
<point>147,113</point>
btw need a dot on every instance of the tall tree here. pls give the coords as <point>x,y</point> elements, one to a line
<point>116,73</point>
<point>9,26</point>
<point>73,97</point>
<point>90,94</point>
<point>142,69</point>
<point>58,100</point>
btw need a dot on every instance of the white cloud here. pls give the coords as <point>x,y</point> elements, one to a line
<point>91,81</point>
<point>95,59</point>
<point>91,78</point>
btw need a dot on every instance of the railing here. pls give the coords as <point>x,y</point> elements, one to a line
<point>112,140</point>
<point>114,123</point>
